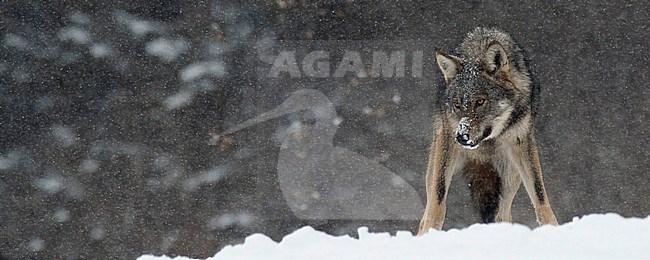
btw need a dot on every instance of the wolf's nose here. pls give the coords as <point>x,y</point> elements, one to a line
<point>463,138</point>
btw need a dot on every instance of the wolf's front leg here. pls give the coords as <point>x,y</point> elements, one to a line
<point>531,176</point>
<point>442,161</point>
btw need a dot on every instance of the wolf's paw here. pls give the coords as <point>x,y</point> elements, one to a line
<point>545,216</point>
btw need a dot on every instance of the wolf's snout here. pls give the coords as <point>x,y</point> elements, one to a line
<point>462,134</point>
<point>466,142</point>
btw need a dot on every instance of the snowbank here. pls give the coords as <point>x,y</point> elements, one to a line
<point>597,236</point>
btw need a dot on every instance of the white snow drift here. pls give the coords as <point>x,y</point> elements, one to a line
<point>597,236</point>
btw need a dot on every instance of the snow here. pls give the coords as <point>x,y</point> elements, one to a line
<point>8,161</point>
<point>138,27</point>
<point>201,69</point>
<point>74,34</point>
<point>36,244</point>
<point>213,175</point>
<point>97,233</point>
<point>229,220</point>
<point>52,184</point>
<point>100,50</point>
<point>178,100</point>
<point>396,98</point>
<point>167,49</point>
<point>13,40</point>
<point>61,215</point>
<point>65,135</point>
<point>79,17</point>
<point>89,166</point>
<point>596,236</point>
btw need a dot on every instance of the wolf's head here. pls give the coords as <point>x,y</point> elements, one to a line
<point>484,86</point>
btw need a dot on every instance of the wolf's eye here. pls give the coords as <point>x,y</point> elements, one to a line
<point>480,102</point>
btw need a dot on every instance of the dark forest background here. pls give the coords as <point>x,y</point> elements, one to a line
<point>106,110</point>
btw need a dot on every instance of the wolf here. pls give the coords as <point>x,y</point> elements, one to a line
<point>484,128</point>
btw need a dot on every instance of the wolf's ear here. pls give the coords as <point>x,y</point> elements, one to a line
<point>496,58</point>
<point>449,65</point>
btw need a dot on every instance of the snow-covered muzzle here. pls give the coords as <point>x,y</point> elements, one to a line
<point>463,136</point>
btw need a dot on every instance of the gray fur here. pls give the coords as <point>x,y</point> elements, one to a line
<point>484,127</point>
